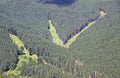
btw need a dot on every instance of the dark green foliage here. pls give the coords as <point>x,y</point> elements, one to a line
<point>8,52</point>
<point>44,71</point>
<point>12,31</point>
<point>98,47</point>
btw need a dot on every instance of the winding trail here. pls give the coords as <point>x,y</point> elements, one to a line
<point>72,37</point>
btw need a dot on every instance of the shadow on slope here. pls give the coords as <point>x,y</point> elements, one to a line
<point>57,2</point>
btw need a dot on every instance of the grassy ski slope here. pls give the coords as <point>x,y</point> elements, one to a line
<point>59,42</point>
<point>25,58</point>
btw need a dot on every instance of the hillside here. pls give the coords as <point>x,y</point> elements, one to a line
<point>59,39</point>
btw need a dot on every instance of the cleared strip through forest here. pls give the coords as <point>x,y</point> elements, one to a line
<point>24,57</point>
<point>72,37</point>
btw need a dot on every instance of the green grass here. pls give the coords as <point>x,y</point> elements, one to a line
<point>59,42</point>
<point>97,47</point>
<point>54,34</point>
<point>22,58</point>
<point>26,58</point>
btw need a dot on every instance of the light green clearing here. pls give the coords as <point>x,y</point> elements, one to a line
<point>26,58</point>
<point>22,58</point>
<point>59,42</point>
<point>54,34</point>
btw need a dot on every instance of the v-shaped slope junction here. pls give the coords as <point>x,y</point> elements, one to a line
<point>72,37</point>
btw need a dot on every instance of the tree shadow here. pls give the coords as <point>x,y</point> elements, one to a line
<point>57,2</point>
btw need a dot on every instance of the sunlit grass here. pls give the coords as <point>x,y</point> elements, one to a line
<point>102,14</point>
<point>26,58</point>
<point>58,41</point>
<point>16,41</point>
<point>71,40</point>
<point>22,58</point>
<point>54,34</point>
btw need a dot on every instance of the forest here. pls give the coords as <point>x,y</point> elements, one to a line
<point>59,39</point>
